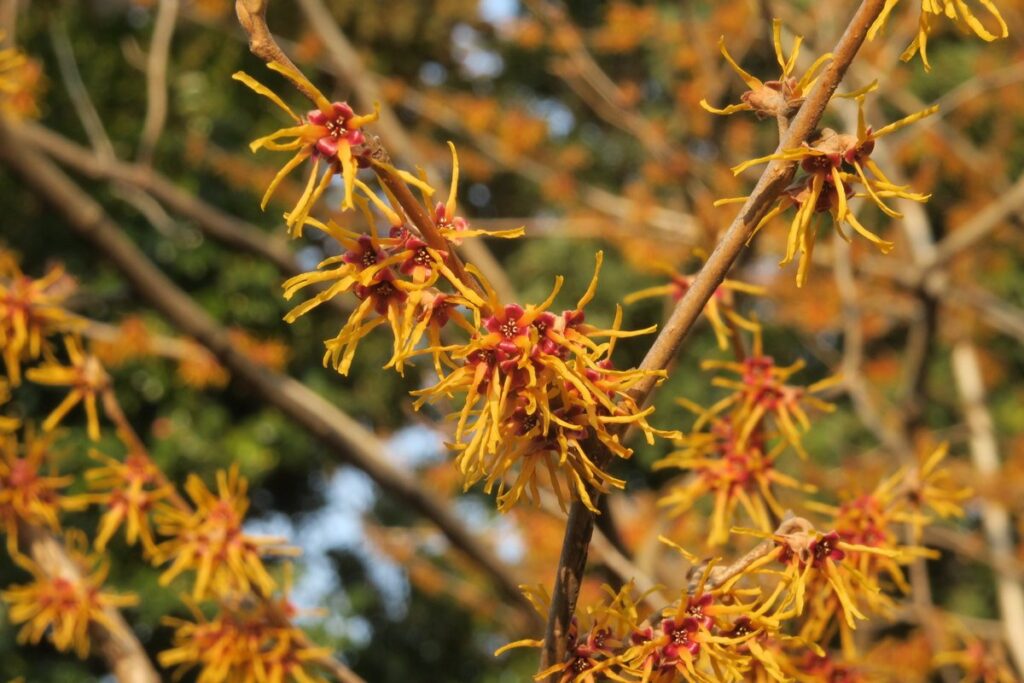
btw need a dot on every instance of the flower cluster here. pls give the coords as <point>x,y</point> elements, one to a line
<point>31,310</point>
<point>63,607</point>
<point>542,401</point>
<point>835,167</point>
<point>732,449</point>
<point>208,539</point>
<point>330,136</point>
<point>542,404</point>
<point>28,494</point>
<point>246,640</point>
<point>203,540</point>
<point>129,491</point>
<point>760,618</point>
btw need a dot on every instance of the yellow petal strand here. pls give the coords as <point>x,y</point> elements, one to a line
<point>905,121</point>
<point>791,62</point>
<point>884,246</point>
<point>519,643</point>
<point>883,16</point>
<point>777,44</point>
<point>551,297</point>
<point>389,213</point>
<point>811,73</point>
<point>975,24</point>
<point>285,170</point>
<point>874,196</point>
<point>297,77</point>
<point>358,121</point>
<point>348,172</point>
<point>648,293</point>
<point>261,89</point>
<point>841,208</point>
<point>449,206</point>
<point>859,92</point>
<point>729,109</point>
<point>752,83</point>
<point>592,287</point>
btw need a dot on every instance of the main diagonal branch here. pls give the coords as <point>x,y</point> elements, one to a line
<point>580,524</point>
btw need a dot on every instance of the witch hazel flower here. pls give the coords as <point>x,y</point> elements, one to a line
<point>737,477</point>
<point>835,166</point>
<point>329,136</point>
<point>720,310</point>
<point>778,98</point>
<point>541,395</point>
<point>761,389</point>
<point>64,608</point>
<point>31,309</point>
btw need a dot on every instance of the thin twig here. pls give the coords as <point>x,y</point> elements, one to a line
<point>996,519</point>
<point>156,79</point>
<point>211,221</point>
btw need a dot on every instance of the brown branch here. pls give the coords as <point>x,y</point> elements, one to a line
<point>346,438</point>
<point>252,17</point>
<point>221,226</point>
<point>117,644</point>
<point>995,518</point>
<point>156,79</point>
<point>580,524</point>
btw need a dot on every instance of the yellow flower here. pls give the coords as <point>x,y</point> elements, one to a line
<point>737,475</point>
<point>27,494</point>
<point>129,491</point>
<point>761,390</point>
<point>957,11</point>
<point>393,276</point>
<point>210,541</point>
<point>87,379</point>
<point>778,98</point>
<point>596,642</point>
<point>248,641</point>
<point>834,165</point>
<point>63,608</point>
<point>330,135</point>
<point>539,394</point>
<point>30,311</point>
<point>720,309</point>
<point>20,80</point>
